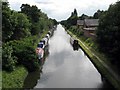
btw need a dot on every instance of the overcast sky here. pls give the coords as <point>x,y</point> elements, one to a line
<point>61,9</point>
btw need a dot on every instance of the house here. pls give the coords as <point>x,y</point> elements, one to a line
<point>80,23</point>
<point>90,26</point>
<point>91,23</point>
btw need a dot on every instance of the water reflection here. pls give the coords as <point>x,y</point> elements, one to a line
<point>65,68</point>
<point>31,79</point>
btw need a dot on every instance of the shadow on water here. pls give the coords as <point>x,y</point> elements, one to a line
<point>33,77</point>
<point>106,84</point>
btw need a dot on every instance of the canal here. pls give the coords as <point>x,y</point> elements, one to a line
<point>64,67</point>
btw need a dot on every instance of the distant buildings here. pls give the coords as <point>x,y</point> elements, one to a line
<point>80,23</point>
<point>88,26</point>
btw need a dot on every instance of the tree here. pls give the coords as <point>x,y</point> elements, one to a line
<point>21,26</point>
<point>25,8</point>
<point>18,29</point>
<point>72,20</point>
<point>97,14</point>
<point>75,13</point>
<point>7,29</point>
<point>31,11</point>
<point>37,18</point>
<point>83,16</point>
<point>109,31</point>
<point>54,21</point>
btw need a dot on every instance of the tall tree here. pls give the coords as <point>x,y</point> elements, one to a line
<point>75,12</point>
<point>32,11</point>
<point>7,29</point>
<point>25,8</point>
<point>97,14</point>
<point>21,26</point>
<point>83,16</point>
<point>72,20</point>
<point>36,18</point>
<point>109,31</point>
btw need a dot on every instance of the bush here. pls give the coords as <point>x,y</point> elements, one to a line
<point>24,50</point>
<point>77,31</point>
<point>8,60</point>
<point>81,33</point>
<point>28,58</point>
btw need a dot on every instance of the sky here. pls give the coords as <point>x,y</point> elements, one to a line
<point>61,9</point>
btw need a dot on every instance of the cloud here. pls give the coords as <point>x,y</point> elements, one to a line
<point>16,4</point>
<point>61,9</point>
<point>44,2</point>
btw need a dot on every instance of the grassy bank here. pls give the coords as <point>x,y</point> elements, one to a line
<point>14,79</point>
<point>100,62</point>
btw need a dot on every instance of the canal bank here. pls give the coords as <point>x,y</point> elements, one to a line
<point>107,73</point>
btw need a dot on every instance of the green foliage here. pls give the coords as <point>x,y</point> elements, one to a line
<point>98,14</point>
<point>8,60</point>
<point>83,16</point>
<point>14,79</point>
<point>21,26</point>
<point>88,41</point>
<point>75,13</point>
<point>91,43</point>
<point>76,30</point>
<point>39,20</point>
<point>18,29</point>
<point>109,31</point>
<point>14,25</point>
<point>54,22</point>
<point>20,52</point>
<point>25,52</point>
<point>31,11</point>
<point>72,20</point>
<point>36,28</point>
<point>7,30</point>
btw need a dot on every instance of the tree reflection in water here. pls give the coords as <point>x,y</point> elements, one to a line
<point>32,77</point>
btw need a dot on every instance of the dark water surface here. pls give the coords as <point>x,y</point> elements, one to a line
<point>66,68</point>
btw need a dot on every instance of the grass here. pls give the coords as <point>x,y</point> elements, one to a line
<point>14,79</point>
<point>99,64</point>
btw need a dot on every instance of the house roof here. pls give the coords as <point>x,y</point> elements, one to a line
<point>91,22</point>
<point>80,22</point>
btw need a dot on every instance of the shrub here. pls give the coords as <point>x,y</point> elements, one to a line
<point>24,51</point>
<point>8,60</point>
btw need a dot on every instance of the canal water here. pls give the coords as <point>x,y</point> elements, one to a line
<point>64,67</point>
